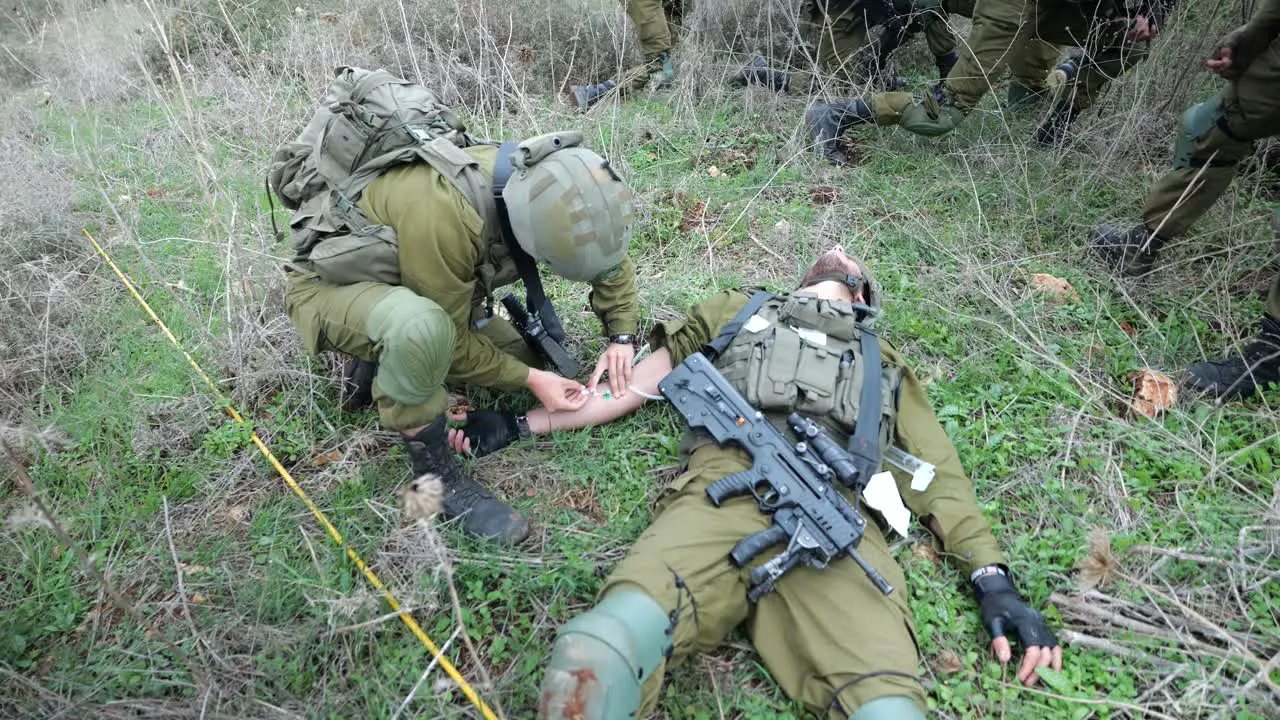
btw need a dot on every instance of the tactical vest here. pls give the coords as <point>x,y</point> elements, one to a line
<point>808,358</point>
<point>368,123</point>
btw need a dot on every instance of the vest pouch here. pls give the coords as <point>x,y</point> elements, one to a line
<point>370,254</point>
<point>848,390</point>
<point>833,317</point>
<point>343,145</point>
<point>816,376</point>
<point>771,381</point>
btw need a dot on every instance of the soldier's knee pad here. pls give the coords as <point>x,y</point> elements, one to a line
<point>1197,122</point>
<point>931,119</point>
<point>602,658</point>
<point>889,707</point>
<point>415,339</point>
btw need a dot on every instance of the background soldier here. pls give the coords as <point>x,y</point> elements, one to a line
<point>841,30</point>
<point>1216,136</point>
<point>1001,32</point>
<point>657,23</point>
<point>831,639</point>
<point>565,207</point>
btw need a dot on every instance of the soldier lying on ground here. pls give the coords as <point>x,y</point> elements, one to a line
<point>1216,136</point>
<point>1114,34</point>
<point>832,640</point>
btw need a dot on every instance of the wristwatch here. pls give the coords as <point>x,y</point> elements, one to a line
<point>622,339</point>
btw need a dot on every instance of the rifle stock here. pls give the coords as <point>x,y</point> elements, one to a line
<point>536,337</point>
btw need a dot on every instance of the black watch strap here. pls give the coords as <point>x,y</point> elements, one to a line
<point>522,426</point>
<point>622,339</point>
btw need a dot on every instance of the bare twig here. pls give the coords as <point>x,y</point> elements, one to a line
<point>1192,557</point>
<point>1140,711</point>
<point>413,691</point>
<point>182,589</point>
<point>457,614</point>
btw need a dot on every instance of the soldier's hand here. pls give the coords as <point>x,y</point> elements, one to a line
<point>1002,610</point>
<point>1222,64</point>
<point>1142,30</point>
<point>480,432</point>
<point>618,360</point>
<point>556,393</point>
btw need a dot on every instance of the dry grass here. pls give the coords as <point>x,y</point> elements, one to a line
<point>231,79</point>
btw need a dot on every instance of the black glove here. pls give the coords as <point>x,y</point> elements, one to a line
<point>490,430</point>
<point>1002,608</point>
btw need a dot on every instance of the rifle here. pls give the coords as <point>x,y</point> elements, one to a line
<point>536,336</point>
<point>789,480</point>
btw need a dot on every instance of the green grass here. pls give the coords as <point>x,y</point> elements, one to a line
<point>1032,393</point>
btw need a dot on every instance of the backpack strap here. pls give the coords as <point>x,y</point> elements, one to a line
<point>757,300</point>
<point>535,297</point>
<point>864,444</point>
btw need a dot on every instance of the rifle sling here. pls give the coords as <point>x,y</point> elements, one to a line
<point>535,298</point>
<point>713,349</point>
<point>864,444</point>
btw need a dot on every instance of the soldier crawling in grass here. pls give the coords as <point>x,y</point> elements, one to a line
<point>831,638</point>
<point>404,226</point>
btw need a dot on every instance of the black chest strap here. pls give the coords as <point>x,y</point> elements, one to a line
<point>713,349</point>
<point>864,444</point>
<point>535,297</point>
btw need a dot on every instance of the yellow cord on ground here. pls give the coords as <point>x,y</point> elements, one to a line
<point>369,575</point>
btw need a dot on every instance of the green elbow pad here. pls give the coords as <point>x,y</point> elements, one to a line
<point>602,658</point>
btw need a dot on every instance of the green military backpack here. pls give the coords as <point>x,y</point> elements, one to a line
<point>368,122</point>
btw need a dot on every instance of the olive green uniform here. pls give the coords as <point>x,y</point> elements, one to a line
<point>657,24</point>
<point>443,254</point>
<point>841,34</point>
<point>818,632</point>
<point>1250,111</point>
<point>1002,32</point>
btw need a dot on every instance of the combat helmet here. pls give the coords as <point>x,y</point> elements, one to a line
<point>863,280</point>
<point>567,207</point>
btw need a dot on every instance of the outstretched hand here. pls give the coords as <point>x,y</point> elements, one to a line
<point>480,432</point>
<point>1003,609</point>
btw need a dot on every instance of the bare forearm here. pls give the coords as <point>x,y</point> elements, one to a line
<point>598,410</point>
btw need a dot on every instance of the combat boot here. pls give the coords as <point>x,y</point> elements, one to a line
<point>758,72</point>
<point>1063,73</point>
<point>481,514</point>
<point>944,64</point>
<point>1130,253</point>
<point>584,96</point>
<point>828,122</point>
<point>1054,129</point>
<point>662,72</point>
<point>357,383</point>
<point>1240,375</point>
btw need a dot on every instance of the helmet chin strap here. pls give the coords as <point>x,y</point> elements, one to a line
<point>855,283</point>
